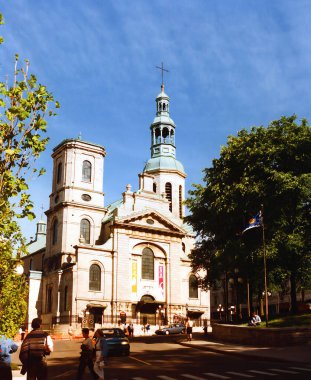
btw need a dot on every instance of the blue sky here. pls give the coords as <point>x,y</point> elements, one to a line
<point>232,64</point>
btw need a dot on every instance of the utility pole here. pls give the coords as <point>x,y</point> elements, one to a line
<point>265,268</point>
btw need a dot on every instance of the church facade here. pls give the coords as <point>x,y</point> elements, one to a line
<point>128,262</point>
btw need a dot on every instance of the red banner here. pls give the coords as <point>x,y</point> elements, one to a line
<point>161,278</point>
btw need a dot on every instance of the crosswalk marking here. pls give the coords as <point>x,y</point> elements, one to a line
<point>193,377</point>
<point>216,376</point>
<point>165,378</point>
<point>239,374</point>
<point>263,373</point>
<point>301,369</point>
<point>283,371</point>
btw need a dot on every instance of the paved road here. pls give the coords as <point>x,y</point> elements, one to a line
<point>163,359</point>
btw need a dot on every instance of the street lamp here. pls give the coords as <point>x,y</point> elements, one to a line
<point>159,310</point>
<point>18,267</point>
<point>231,311</point>
<point>220,309</point>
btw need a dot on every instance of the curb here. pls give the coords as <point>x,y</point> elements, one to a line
<point>238,353</point>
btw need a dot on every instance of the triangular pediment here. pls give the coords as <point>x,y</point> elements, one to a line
<point>151,219</point>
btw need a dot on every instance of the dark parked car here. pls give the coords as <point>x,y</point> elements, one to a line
<point>172,329</point>
<point>118,343</point>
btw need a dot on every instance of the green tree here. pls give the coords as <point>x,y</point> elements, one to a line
<point>24,109</point>
<point>269,166</point>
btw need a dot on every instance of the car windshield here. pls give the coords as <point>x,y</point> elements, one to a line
<point>113,333</point>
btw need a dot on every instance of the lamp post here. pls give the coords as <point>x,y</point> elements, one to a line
<point>220,310</point>
<point>159,310</point>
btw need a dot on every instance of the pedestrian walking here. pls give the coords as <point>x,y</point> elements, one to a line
<point>130,329</point>
<point>7,347</point>
<point>101,353</point>
<point>148,328</point>
<point>34,349</point>
<point>86,355</point>
<point>189,325</point>
<point>22,332</point>
<point>70,332</point>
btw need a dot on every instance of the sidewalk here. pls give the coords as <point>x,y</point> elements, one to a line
<point>296,354</point>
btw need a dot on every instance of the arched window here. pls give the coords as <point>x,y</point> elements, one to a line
<point>183,246</point>
<point>154,187</point>
<point>95,277</point>
<point>172,137</point>
<point>55,232</point>
<point>165,135</point>
<point>180,202</point>
<point>147,264</point>
<point>86,171</point>
<point>85,228</point>
<point>158,135</point>
<point>59,172</point>
<point>193,286</point>
<point>168,193</point>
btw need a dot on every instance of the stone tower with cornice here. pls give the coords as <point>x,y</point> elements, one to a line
<point>77,198</point>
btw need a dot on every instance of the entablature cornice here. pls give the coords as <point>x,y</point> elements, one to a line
<point>75,204</point>
<point>132,229</point>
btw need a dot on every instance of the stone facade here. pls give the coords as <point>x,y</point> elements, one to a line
<point>127,262</point>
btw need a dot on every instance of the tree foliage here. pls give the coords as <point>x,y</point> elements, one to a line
<point>25,106</point>
<point>264,166</point>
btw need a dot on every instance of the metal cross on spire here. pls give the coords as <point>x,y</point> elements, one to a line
<point>162,69</point>
<point>42,208</point>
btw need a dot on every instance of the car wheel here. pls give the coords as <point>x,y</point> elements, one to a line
<point>167,332</point>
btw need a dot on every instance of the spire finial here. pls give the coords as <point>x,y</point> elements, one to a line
<point>42,208</point>
<point>162,69</point>
<point>79,136</point>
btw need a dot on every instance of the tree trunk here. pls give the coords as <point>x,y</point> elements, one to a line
<point>293,294</point>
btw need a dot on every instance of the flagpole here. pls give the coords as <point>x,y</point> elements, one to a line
<point>265,267</point>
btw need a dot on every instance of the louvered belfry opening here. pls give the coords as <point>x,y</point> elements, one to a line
<point>168,192</point>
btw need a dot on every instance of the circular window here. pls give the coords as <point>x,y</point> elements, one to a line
<point>86,197</point>
<point>56,200</point>
<point>150,221</point>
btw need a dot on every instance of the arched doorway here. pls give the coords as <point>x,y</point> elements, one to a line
<point>148,308</point>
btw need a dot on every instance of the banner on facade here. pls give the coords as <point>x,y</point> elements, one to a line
<point>161,278</point>
<point>134,276</point>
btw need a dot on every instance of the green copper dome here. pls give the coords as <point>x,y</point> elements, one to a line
<point>164,163</point>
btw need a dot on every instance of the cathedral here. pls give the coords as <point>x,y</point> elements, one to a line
<point>92,265</point>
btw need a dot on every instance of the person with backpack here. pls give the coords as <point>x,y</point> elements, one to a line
<point>34,349</point>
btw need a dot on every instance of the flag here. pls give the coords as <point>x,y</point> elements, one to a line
<point>255,221</point>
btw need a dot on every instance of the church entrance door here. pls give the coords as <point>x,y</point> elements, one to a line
<point>147,307</point>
